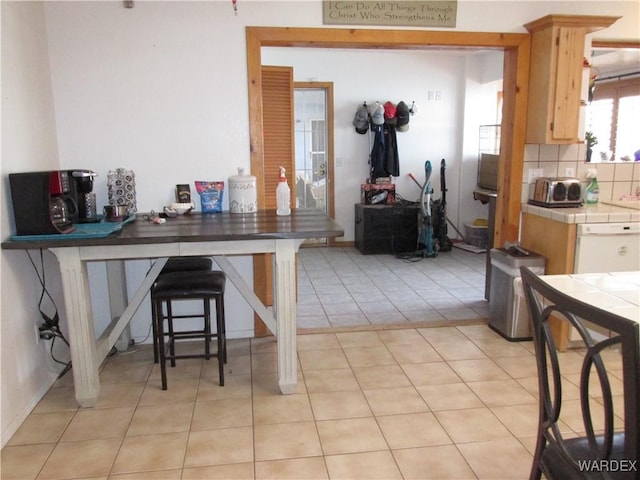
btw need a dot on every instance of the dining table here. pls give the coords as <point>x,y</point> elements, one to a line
<point>617,292</point>
<point>217,235</point>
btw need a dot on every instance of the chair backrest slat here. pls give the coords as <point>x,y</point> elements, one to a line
<point>557,455</point>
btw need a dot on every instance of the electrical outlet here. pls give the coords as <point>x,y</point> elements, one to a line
<point>44,333</point>
<point>569,172</point>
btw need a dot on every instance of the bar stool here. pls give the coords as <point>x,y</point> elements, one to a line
<point>177,264</point>
<point>189,285</point>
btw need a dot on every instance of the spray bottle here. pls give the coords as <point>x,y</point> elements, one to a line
<point>592,193</point>
<point>283,195</point>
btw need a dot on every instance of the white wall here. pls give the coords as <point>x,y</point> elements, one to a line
<point>159,89</point>
<point>28,143</point>
<point>483,81</point>
<point>148,99</point>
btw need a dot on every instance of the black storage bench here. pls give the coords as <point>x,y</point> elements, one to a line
<point>386,228</point>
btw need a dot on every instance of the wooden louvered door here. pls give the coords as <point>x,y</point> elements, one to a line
<point>277,114</point>
<point>278,147</point>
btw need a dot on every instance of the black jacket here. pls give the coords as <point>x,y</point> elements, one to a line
<point>384,161</point>
<point>391,160</point>
<point>377,158</point>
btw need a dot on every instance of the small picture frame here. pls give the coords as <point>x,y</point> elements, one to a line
<point>183,193</point>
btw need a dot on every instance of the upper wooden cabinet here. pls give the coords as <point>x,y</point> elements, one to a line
<point>557,54</point>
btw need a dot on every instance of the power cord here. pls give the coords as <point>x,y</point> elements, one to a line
<point>401,201</point>
<point>50,328</point>
<point>145,338</point>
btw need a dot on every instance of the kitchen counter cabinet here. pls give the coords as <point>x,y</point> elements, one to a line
<point>556,70</point>
<point>554,240</point>
<point>551,232</point>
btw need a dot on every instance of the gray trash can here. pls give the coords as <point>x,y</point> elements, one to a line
<point>508,313</point>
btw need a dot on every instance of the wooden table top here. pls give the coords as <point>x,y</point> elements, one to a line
<point>198,227</point>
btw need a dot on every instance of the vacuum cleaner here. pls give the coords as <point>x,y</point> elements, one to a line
<point>440,206</point>
<point>426,245</point>
<point>432,236</point>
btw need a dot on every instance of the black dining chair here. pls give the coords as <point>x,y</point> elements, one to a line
<point>603,440</point>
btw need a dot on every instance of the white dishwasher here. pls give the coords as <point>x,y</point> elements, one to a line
<point>603,248</point>
<point>607,247</point>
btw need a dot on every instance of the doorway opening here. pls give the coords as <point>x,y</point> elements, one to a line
<point>516,48</point>
<point>313,120</point>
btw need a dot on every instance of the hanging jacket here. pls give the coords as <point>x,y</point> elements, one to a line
<point>378,153</point>
<point>391,160</point>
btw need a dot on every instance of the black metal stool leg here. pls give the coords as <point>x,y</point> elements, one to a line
<point>172,338</point>
<point>159,324</point>
<point>221,354</point>
<point>221,325</point>
<point>207,328</point>
<point>154,330</point>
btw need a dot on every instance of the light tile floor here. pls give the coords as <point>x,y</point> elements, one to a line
<point>411,403</point>
<point>405,401</point>
<point>339,287</point>
<point>441,402</point>
<point>369,404</point>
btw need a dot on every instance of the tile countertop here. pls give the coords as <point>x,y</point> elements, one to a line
<point>599,213</point>
<point>618,292</point>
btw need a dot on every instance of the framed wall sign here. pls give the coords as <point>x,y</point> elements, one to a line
<point>399,13</point>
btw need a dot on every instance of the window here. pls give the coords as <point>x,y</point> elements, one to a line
<point>627,142</point>
<point>612,117</point>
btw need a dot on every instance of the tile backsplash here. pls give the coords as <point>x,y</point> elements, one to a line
<point>614,178</point>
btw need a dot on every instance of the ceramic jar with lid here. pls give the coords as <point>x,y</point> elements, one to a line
<point>243,196</point>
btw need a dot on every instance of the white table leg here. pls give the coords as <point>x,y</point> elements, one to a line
<point>77,301</point>
<point>284,297</point>
<point>117,281</point>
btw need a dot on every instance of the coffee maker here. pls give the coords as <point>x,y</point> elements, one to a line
<point>84,195</point>
<point>43,202</point>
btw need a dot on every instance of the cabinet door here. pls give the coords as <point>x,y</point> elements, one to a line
<point>555,76</point>
<point>568,83</point>
<point>556,84</point>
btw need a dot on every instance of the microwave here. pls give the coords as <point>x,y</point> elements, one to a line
<point>556,192</point>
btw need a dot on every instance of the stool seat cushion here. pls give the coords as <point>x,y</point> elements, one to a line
<point>195,284</point>
<point>187,264</point>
